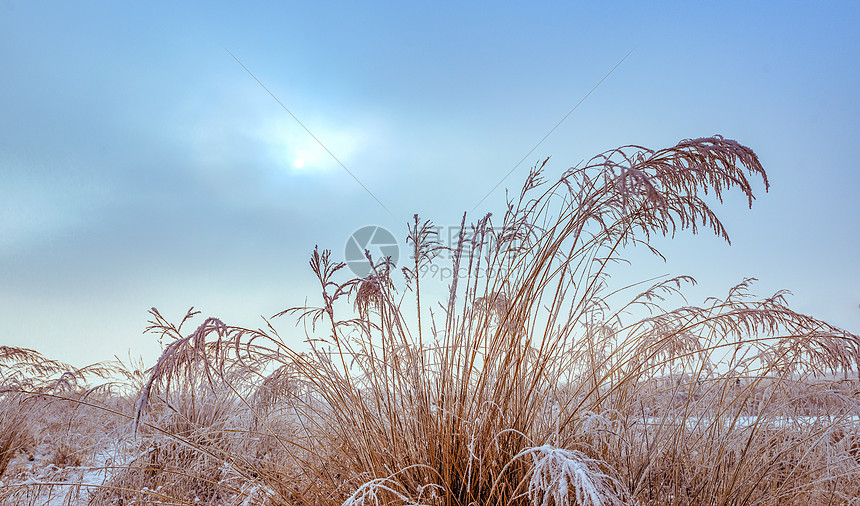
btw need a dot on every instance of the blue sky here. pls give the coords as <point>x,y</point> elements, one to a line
<point>141,166</point>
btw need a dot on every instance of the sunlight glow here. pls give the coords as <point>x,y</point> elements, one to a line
<point>291,147</point>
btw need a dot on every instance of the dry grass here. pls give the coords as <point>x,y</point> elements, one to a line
<point>534,382</point>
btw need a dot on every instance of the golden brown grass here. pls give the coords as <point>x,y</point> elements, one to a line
<point>529,384</point>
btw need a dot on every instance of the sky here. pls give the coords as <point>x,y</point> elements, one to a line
<point>142,166</point>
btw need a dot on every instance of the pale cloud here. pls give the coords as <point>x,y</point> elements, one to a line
<point>38,205</point>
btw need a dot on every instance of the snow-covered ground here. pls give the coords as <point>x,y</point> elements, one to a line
<point>37,479</point>
<point>747,421</point>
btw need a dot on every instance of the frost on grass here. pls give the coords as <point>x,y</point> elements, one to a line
<point>379,491</point>
<point>560,474</point>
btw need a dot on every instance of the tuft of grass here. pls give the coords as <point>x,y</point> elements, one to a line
<point>535,381</point>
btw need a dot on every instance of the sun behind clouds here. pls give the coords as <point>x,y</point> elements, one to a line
<point>291,147</point>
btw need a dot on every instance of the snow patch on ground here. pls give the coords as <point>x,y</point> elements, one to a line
<point>40,482</point>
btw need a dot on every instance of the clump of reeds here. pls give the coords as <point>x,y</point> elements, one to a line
<point>536,381</point>
<point>51,423</point>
